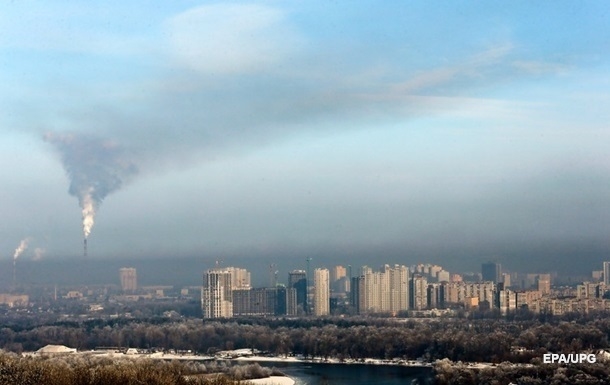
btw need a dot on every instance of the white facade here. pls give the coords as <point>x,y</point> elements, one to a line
<point>386,291</point>
<point>321,300</point>
<point>457,292</point>
<point>398,287</point>
<point>217,294</point>
<point>240,278</point>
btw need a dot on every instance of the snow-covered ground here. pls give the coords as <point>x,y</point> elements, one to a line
<point>273,380</point>
<point>369,361</point>
<point>267,359</point>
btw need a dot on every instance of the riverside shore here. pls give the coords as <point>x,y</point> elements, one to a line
<point>272,380</point>
<point>320,360</point>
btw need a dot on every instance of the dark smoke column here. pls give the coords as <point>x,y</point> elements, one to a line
<point>96,168</point>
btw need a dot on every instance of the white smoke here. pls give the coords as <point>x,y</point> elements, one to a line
<point>23,245</point>
<point>96,168</point>
<point>88,209</point>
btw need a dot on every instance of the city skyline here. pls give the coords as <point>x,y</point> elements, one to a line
<point>397,290</point>
<point>306,130</point>
<point>228,291</point>
<point>186,271</point>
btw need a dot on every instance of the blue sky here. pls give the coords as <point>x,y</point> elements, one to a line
<point>263,128</point>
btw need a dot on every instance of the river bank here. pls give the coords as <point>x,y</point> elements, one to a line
<point>320,360</point>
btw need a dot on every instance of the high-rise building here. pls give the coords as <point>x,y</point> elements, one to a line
<point>590,290</point>
<point>458,292</point>
<point>357,287</point>
<point>506,280</point>
<point>419,268</point>
<point>321,299</point>
<point>241,302</point>
<point>434,294</point>
<point>217,294</point>
<point>543,283</point>
<point>240,278</point>
<point>506,301</point>
<point>341,286</point>
<point>606,273</point>
<point>129,279</point>
<point>418,292</point>
<point>297,279</point>
<point>433,270</point>
<point>336,273</point>
<point>286,301</point>
<point>339,283</point>
<point>385,291</point>
<point>454,277</point>
<point>264,301</point>
<point>398,288</point>
<point>374,297</point>
<point>491,271</point>
<point>443,276</point>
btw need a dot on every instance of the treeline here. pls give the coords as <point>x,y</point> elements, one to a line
<point>481,340</point>
<point>449,373</point>
<point>91,370</point>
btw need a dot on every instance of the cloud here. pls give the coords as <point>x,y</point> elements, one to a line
<point>478,65</point>
<point>211,109</point>
<point>230,38</point>
<point>228,88</point>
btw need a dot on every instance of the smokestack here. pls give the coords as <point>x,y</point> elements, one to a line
<point>85,246</point>
<point>14,274</point>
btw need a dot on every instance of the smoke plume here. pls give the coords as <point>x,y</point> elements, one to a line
<point>96,168</point>
<point>23,245</point>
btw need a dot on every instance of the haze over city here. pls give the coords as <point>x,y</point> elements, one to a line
<point>402,133</point>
